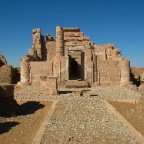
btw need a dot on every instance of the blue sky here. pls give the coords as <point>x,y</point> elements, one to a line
<point>120,22</point>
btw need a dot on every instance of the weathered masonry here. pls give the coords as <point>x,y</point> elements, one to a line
<point>73,57</point>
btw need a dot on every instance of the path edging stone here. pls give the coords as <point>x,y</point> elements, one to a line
<point>40,133</point>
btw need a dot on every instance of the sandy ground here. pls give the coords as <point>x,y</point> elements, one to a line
<point>22,129</point>
<point>129,112</point>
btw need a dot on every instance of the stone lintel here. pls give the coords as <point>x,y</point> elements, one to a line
<point>71,48</point>
<point>73,34</point>
<point>76,38</point>
<point>71,29</point>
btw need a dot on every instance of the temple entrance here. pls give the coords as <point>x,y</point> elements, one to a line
<point>76,65</point>
<point>74,69</point>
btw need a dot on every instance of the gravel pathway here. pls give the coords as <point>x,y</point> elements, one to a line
<point>103,93</point>
<point>85,120</point>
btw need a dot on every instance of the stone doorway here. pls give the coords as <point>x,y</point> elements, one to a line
<point>76,65</point>
<point>74,69</point>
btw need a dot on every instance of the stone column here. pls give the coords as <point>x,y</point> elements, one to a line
<point>95,69</point>
<point>59,41</point>
<point>82,65</point>
<point>125,72</point>
<point>25,70</point>
<point>88,64</point>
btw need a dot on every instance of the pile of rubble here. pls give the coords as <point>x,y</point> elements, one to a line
<point>8,75</point>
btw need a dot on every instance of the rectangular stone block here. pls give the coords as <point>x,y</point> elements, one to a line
<point>78,93</point>
<point>86,93</point>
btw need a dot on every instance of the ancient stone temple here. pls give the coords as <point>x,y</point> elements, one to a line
<point>72,57</point>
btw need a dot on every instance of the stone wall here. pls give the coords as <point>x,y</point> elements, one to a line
<point>51,50</point>
<point>108,72</point>
<point>45,69</point>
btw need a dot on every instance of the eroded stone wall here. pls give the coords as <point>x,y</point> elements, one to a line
<point>51,50</point>
<point>108,72</point>
<point>38,73</point>
<point>38,45</point>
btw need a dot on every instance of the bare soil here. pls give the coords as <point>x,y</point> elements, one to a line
<point>129,112</point>
<point>21,129</point>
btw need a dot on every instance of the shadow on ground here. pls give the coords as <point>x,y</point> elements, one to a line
<point>65,92</point>
<point>6,126</point>
<point>26,108</point>
<point>29,107</point>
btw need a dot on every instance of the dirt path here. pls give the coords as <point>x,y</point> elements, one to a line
<point>23,128</point>
<point>130,113</point>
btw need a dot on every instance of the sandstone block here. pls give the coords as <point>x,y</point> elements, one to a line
<point>86,93</point>
<point>77,93</point>
<point>6,74</point>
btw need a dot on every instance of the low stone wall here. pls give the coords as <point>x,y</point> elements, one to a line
<point>8,105</point>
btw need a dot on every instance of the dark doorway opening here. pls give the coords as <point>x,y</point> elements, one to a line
<point>74,69</point>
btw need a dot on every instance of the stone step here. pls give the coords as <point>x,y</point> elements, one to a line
<point>76,84</point>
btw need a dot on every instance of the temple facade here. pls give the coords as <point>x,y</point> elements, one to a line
<point>73,57</point>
